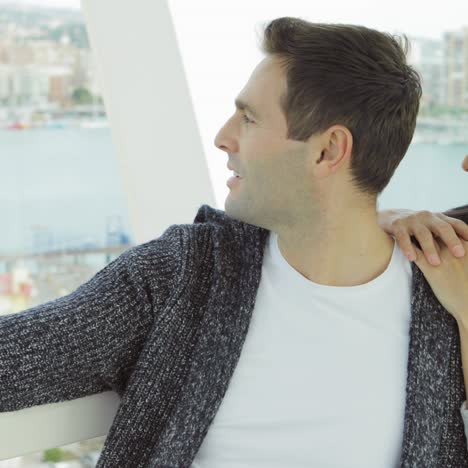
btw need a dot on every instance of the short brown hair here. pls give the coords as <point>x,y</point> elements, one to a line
<point>353,76</point>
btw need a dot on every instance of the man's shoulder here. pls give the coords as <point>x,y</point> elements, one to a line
<point>177,239</point>
<point>210,215</point>
<point>218,218</point>
<point>211,227</point>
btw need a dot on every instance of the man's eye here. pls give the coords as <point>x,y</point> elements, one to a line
<point>246,119</point>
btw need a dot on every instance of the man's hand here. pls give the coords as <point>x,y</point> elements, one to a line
<point>425,226</point>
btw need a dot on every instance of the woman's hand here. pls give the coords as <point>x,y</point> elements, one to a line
<point>448,281</point>
<point>465,163</point>
<point>425,226</point>
<point>439,236</point>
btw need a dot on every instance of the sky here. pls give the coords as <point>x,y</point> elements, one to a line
<point>418,18</point>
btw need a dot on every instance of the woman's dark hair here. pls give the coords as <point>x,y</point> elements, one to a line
<point>353,76</point>
<point>460,212</point>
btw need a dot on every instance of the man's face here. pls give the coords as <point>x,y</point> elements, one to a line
<point>273,170</point>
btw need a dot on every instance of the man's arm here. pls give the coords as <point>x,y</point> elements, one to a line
<point>88,341</point>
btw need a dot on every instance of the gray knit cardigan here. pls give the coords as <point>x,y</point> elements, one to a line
<point>163,326</point>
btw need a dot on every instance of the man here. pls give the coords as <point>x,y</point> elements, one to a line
<point>277,333</point>
<point>314,185</point>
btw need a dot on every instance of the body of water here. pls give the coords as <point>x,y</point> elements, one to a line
<point>58,187</point>
<point>64,185</point>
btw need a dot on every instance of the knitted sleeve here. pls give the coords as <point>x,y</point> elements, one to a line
<point>88,341</point>
<point>464,415</point>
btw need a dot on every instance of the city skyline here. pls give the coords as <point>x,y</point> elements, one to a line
<point>74,4</point>
<point>402,16</point>
<point>58,82</point>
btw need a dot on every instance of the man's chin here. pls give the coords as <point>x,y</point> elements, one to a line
<point>234,210</point>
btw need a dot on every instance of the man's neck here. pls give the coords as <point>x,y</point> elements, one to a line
<point>342,256</point>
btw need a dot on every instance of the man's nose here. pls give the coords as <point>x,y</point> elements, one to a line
<point>222,142</point>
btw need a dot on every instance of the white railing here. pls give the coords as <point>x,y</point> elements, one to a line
<point>42,427</point>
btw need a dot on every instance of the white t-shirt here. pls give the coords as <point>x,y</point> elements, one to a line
<point>321,377</point>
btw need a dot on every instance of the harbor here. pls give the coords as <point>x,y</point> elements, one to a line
<point>429,129</point>
<point>54,267</point>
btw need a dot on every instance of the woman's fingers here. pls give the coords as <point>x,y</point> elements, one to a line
<point>459,226</point>
<point>425,239</point>
<point>425,227</point>
<point>428,228</point>
<point>404,241</point>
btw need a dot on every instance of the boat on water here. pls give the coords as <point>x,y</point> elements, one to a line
<point>17,126</point>
<point>88,124</point>
<point>94,124</point>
